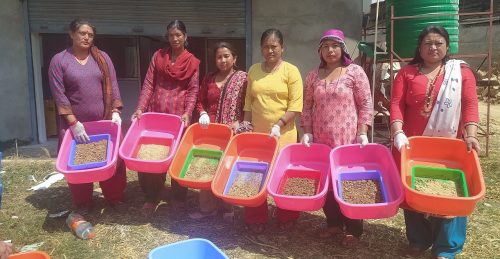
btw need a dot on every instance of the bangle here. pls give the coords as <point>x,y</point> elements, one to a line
<point>203,112</point>
<point>282,121</point>
<point>73,123</point>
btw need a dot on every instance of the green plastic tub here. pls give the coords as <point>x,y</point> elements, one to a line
<point>441,176</point>
<point>213,155</point>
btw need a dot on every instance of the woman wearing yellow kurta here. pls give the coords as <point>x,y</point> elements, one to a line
<point>273,99</point>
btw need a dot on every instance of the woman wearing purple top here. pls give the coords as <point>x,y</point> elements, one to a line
<point>84,87</point>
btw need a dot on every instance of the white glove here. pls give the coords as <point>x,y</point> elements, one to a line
<point>275,131</point>
<point>400,140</point>
<point>115,118</point>
<point>307,139</point>
<point>363,139</point>
<point>79,133</point>
<point>204,119</point>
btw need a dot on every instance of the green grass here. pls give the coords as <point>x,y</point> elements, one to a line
<point>121,232</point>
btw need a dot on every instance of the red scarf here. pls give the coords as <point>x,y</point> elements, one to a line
<point>106,82</point>
<point>184,67</point>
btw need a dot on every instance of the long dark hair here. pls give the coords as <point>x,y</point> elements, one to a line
<point>269,32</point>
<point>417,59</point>
<point>177,24</point>
<point>227,45</point>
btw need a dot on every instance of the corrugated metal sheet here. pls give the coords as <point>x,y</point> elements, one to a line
<point>214,18</point>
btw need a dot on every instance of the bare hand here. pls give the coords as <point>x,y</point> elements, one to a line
<point>472,143</point>
<point>186,119</point>
<point>137,115</point>
<point>5,250</point>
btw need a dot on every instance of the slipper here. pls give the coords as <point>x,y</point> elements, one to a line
<point>413,251</point>
<point>148,209</point>
<point>350,241</point>
<point>330,232</point>
<point>201,214</point>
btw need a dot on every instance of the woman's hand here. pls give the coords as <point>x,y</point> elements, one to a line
<point>204,119</point>
<point>244,126</point>
<point>307,139</point>
<point>186,119</point>
<point>400,140</point>
<point>137,115</point>
<point>362,139</point>
<point>234,126</point>
<point>472,143</point>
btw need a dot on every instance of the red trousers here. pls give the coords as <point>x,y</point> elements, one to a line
<point>112,189</point>
<point>258,215</point>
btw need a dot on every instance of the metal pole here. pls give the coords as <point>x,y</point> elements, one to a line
<point>490,52</point>
<point>391,59</point>
<point>374,66</point>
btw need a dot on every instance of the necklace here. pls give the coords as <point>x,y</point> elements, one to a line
<point>431,83</point>
<point>269,71</point>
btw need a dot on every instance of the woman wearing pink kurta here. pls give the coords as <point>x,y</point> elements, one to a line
<point>337,110</point>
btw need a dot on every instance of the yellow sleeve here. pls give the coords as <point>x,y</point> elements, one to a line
<point>295,90</point>
<point>248,95</point>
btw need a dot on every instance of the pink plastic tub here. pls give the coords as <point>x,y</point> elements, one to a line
<point>354,159</point>
<point>297,160</point>
<point>151,128</point>
<point>93,174</point>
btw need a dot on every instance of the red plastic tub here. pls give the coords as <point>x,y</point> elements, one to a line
<point>354,159</point>
<point>30,255</point>
<point>442,153</point>
<point>215,137</point>
<point>297,160</point>
<point>151,128</point>
<point>92,174</point>
<point>245,147</point>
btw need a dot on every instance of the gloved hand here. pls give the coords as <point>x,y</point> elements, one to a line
<point>307,139</point>
<point>275,131</point>
<point>79,133</point>
<point>400,140</point>
<point>204,120</point>
<point>362,139</point>
<point>115,118</point>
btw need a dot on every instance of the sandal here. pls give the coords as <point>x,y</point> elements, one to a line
<point>330,232</point>
<point>201,214</point>
<point>257,228</point>
<point>350,241</point>
<point>148,209</point>
<point>413,251</point>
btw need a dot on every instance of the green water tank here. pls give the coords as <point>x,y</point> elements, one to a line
<point>406,31</point>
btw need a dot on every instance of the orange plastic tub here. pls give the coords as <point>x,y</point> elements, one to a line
<point>245,147</point>
<point>215,137</point>
<point>442,153</point>
<point>30,255</point>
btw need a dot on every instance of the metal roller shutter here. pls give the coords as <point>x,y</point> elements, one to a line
<point>214,18</point>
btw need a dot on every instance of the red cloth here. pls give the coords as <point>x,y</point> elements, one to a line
<point>408,94</point>
<point>208,97</point>
<point>160,93</point>
<point>112,189</point>
<point>184,67</point>
<point>258,215</point>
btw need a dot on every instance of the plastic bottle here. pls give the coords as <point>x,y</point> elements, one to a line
<point>82,228</point>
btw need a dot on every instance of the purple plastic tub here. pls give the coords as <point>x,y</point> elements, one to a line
<point>242,167</point>
<point>366,175</point>
<point>93,138</point>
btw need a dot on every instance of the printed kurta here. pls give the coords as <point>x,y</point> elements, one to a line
<point>270,95</point>
<point>77,88</point>
<point>335,110</point>
<point>167,96</point>
<point>408,96</point>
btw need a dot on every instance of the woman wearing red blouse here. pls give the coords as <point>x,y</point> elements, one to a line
<point>434,96</point>
<point>170,86</point>
<point>220,100</point>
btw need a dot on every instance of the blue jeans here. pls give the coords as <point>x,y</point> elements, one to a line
<point>446,236</point>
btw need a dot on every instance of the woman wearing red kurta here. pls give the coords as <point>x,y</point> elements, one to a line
<point>434,96</point>
<point>170,86</point>
<point>220,100</point>
<point>84,87</point>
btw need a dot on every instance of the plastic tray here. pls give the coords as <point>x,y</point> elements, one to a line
<point>366,175</point>
<point>93,138</point>
<point>196,248</point>
<point>297,160</point>
<point>242,167</point>
<point>151,128</point>
<point>249,147</point>
<point>90,175</point>
<point>354,158</point>
<point>215,156</point>
<point>215,137</point>
<point>454,175</point>
<point>442,153</point>
<point>30,255</point>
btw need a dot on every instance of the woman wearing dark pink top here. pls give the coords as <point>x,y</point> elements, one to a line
<point>171,86</point>
<point>84,87</point>
<point>434,96</point>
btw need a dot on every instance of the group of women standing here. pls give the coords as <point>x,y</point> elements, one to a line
<point>334,106</point>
